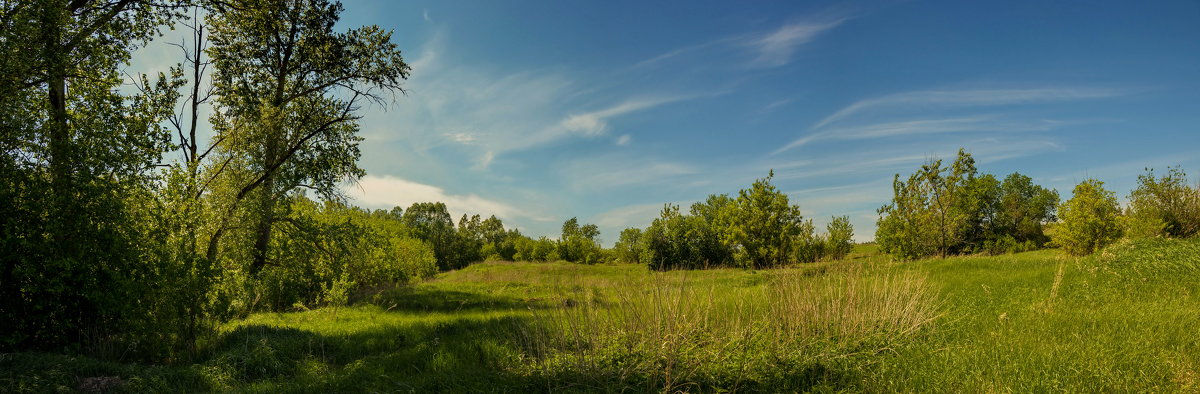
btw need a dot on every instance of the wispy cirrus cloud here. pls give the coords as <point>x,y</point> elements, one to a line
<point>596,122</point>
<point>766,49</point>
<point>904,158</point>
<point>892,114</point>
<point>776,48</point>
<point>910,128</point>
<point>610,171</point>
<point>967,98</point>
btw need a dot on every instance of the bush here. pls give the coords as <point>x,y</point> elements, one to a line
<point>1165,206</point>
<point>1090,219</point>
<point>840,237</point>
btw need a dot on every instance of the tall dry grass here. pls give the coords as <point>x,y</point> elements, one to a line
<point>666,333</point>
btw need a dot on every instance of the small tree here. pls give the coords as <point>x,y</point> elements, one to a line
<point>579,244</point>
<point>936,211</point>
<point>764,226</point>
<point>840,237</point>
<point>628,248</point>
<point>431,223</point>
<point>1165,206</point>
<point>1090,219</point>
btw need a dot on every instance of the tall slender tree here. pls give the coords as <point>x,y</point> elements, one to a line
<point>288,90</point>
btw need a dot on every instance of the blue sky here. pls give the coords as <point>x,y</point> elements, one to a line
<point>538,111</point>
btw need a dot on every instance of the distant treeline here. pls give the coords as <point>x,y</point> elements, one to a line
<point>945,210</point>
<point>759,228</point>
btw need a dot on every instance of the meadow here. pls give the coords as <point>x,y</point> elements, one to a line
<point>1124,319</point>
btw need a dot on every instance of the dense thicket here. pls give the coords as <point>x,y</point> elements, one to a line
<point>108,244</point>
<point>943,210</point>
<point>759,228</point>
<point>75,160</point>
<point>1164,206</point>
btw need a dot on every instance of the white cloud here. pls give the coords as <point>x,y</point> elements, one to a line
<point>425,14</point>
<point>976,123</point>
<point>968,98</point>
<point>596,122</point>
<point>624,140</point>
<point>486,160</point>
<point>776,104</point>
<point>387,191</point>
<point>622,170</point>
<point>776,48</point>
<point>462,138</point>
<point>617,219</point>
<point>906,158</point>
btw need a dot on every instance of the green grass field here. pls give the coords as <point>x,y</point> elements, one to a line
<point>1127,319</point>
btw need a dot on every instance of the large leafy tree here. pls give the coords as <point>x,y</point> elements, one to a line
<point>288,88</point>
<point>431,222</point>
<point>74,153</point>
<point>579,243</point>
<point>1023,209</point>
<point>841,237</point>
<point>764,225</point>
<point>935,211</point>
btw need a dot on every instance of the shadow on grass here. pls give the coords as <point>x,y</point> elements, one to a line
<point>414,299</point>
<point>463,355</point>
<point>458,355</point>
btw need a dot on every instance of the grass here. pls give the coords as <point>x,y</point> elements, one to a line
<point>1124,320</point>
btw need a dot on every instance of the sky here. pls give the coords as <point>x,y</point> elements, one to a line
<point>539,111</point>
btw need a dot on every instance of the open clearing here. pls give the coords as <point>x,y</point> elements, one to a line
<point>1124,320</point>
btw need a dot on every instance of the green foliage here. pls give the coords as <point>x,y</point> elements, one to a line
<point>580,244</point>
<point>431,223</point>
<point>330,251</point>
<point>1090,219</point>
<point>951,210</point>
<point>1164,206</point>
<point>81,263</point>
<point>287,88</point>
<point>809,246</point>
<point>1024,208</point>
<point>541,249</point>
<point>763,225</point>
<point>840,237</point>
<point>628,248</point>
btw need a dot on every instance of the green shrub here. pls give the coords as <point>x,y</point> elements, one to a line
<point>1090,219</point>
<point>839,237</point>
<point>1164,206</point>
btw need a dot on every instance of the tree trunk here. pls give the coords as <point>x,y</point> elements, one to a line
<point>262,231</point>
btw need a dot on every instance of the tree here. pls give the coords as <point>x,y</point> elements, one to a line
<point>469,240</point>
<point>78,251</point>
<point>579,243</point>
<point>1024,208</point>
<point>628,246</point>
<point>840,237</point>
<point>1165,206</point>
<point>431,222</point>
<point>287,91</point>
<point>1090,219</point>
<point>936,211</point>
<point>764,225</point>
<point>666,241</point>
<point>708,219</point>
